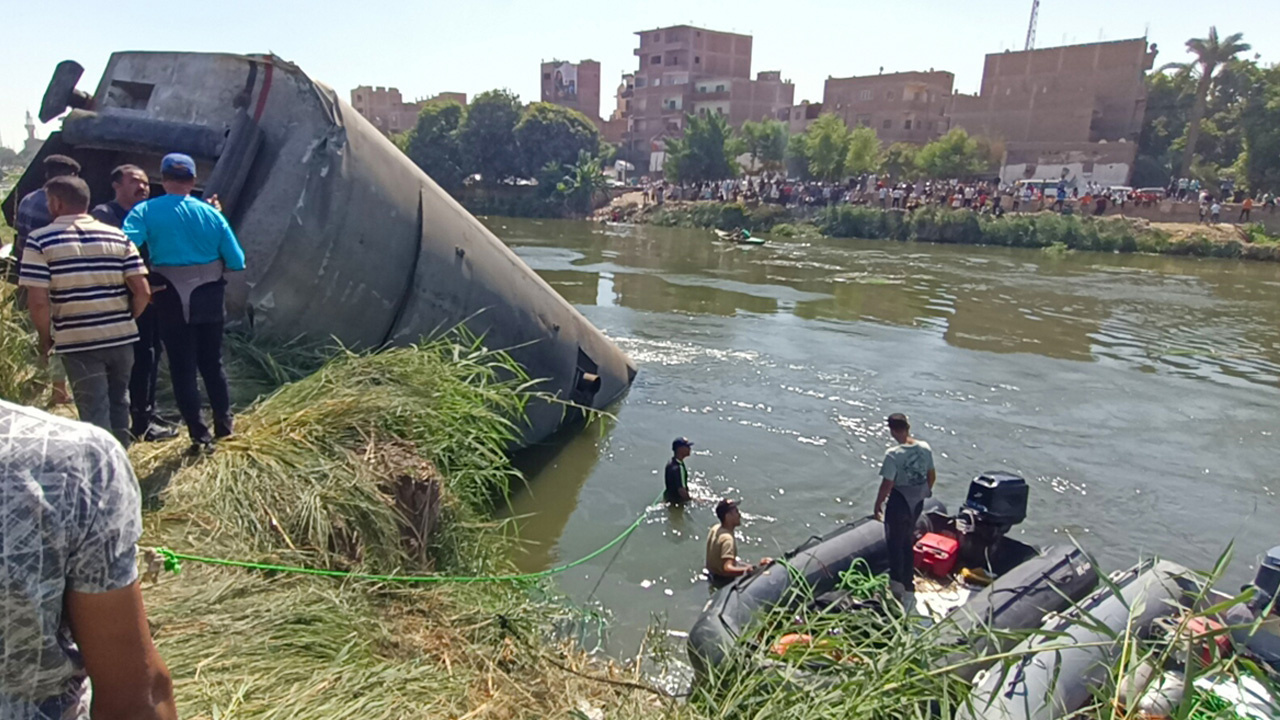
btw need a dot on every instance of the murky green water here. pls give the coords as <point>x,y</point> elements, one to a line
<point>1140,397</point>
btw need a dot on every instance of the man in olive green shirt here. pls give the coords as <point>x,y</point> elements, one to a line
<point>722,546</point>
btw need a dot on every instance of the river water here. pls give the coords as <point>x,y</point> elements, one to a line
<point>1139,396</point>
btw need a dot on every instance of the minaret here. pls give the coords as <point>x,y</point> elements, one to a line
<point>32,145</point>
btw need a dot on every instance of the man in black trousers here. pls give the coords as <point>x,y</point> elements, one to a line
<point>132,186</point>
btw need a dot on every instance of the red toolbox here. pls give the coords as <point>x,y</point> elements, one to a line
<point>937,554</point>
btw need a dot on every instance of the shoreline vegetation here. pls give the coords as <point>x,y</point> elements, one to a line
<point>1044,230</point>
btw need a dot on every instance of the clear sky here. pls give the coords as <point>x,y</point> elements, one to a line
<point>424,47</point>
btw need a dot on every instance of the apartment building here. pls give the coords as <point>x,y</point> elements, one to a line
<point>901,107</point>
<point>1074,110</point>
<point>573,85</point>
<point>686,69</point>
<point>387,110</point>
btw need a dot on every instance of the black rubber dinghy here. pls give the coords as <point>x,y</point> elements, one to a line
<point>1080,647</point>
<point>1038,583</point>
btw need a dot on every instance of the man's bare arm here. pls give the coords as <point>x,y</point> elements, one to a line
<point>130,680</point>
<point>38,306</point>
<point>886,487</point>
<point>933,478</point>
<point>139,292</point>
<point>730,567</point>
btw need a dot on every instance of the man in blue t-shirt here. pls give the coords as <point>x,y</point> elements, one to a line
<point>907,478</point>
<point>191,246</point>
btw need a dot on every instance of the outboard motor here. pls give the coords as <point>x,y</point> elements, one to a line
<point>1267,581</point>
<point>997,501</point>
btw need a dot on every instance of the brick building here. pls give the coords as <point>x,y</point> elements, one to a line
<point>900,107</point>
<point>799,117</point>
<point>387,110</point>
<point>685,69</point>
<point>573,85</point>
<point>1076,109</point>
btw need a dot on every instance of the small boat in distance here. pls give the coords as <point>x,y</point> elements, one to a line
<point>740,236</point>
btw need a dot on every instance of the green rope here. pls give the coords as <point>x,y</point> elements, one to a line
<point>173,564</point>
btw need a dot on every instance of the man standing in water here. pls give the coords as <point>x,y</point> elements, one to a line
<point>907,478</point>
<point>677,475</point>
<point>722,546</point>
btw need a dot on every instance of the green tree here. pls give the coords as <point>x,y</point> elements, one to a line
<point>433,143</point>
<point>864,152</point>
<point>704,153</point>
<point>1211,54</point>
<point>899,161</point>
<point>582,183</point>
<point>553,133</point>
<point>826,147</point>
<point>954,155</point>
<point>488,136</point>
<point>766,143</point>
<point>1260,125</point>
<point>8,158</point>
<point>797,157</point>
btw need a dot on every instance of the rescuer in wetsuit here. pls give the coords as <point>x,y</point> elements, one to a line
<point>677,475</point>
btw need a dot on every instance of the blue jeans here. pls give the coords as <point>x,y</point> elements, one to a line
<point>100,385</point>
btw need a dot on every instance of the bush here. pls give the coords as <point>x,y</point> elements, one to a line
<point>852,221</point>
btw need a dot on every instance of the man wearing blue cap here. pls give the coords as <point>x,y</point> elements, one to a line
<point>677,475</point>
<point>192,246</point>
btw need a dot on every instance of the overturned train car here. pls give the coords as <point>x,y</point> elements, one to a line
<point>344,236</point>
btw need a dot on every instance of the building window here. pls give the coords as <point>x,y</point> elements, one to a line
<point>906,124</point>
<point>865,95</point>
<point>889,95</point>
<point>719,88</point>
<point>657,37</point>
<point>702,111</point>
<point>657,81</point>
<point>864,120</point>
<point>359,99</point>
<point>696,59</point>
<point>655,60</point>
<point>640,82</point>
<point>673,60</point>
<point>546,76</point>
<point>719,110</point>
<point>888,124</point>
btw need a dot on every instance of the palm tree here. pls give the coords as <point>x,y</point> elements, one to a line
<point>1211,54</point>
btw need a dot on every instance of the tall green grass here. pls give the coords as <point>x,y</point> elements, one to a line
<point>24,376</point>
<point>309,470</point>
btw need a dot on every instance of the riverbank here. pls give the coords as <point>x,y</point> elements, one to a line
<point>1033,230</point>
<point>377,463</point>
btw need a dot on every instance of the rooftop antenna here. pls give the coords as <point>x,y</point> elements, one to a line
<point>1031,26</point>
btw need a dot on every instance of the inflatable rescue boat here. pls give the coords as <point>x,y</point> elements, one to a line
<point>1025,583</point>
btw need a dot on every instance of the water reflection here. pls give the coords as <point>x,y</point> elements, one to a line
<point>1196,318</point>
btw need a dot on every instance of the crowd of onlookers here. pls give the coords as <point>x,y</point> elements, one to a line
<point>982,196</point>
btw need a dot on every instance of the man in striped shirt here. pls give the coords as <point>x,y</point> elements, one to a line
<point>85,284</point>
